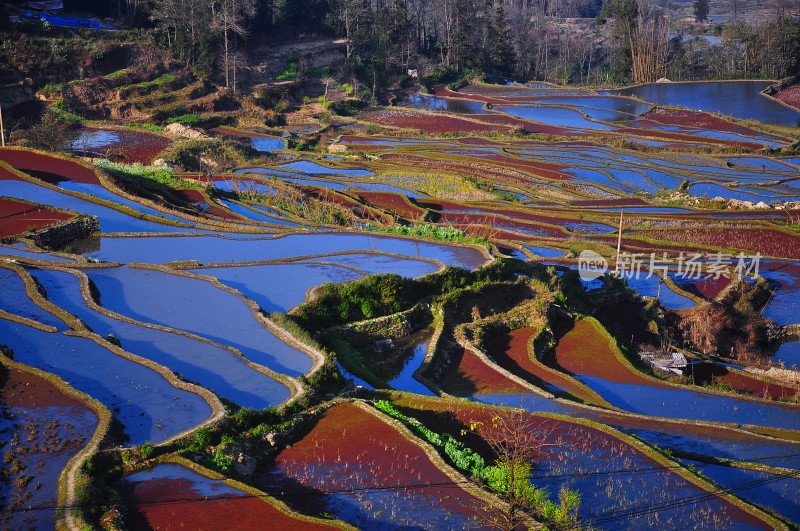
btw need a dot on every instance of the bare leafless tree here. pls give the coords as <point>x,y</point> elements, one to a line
<point>517,440</point>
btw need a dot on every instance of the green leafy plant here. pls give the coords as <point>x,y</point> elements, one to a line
<point>185,119</point>
<point>161,175</point>
<point>289,74</point>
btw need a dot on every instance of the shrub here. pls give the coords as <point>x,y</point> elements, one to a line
<point>221,460</point>
<point>146,126</point>
<point>429,231</point>
<point>148,450</point>
<point>185,119</point>
<point>158,174</point>
<point>289,74</point>
<point>348,107</point>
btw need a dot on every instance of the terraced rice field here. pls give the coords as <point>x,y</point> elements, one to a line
<point>165,316</point>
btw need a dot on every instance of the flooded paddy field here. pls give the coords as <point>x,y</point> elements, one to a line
<point>611,487</point>
<point>325,463</point>
<point>41,428</point>
<point>189,296</point>
<point>168,494</point>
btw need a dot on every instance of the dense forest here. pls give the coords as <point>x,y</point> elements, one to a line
<point>563,41</point>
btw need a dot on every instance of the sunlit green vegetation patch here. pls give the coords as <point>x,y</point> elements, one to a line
<point>156,174</point>
<point>167,80</point>
<point>504,477</point>
<point>379,295</point>
<point>429,231</point>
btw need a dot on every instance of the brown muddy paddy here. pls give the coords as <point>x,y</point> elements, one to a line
<point>170,496</point>
<point>41,428</point>
<point>364,471</point>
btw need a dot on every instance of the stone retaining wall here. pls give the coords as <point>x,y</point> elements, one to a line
<point>63,234</point>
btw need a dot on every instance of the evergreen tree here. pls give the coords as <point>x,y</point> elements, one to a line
<point>500,50</point>
<point>701,10</point>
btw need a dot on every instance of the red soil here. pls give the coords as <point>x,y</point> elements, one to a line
<point>543,169</point>
<point>791,268</point>
<point>351,448</point>
<point>585,350</point>
<point>511,352</point>
<point>133,146</point>
<point>530,127</point>
<point>444,92</point>
<point>765,241</point>
<point>706,288</point>
<point>698,119</point>
<point>366,147</point>
<point>710,372</point>
<point>610,203</point>
<point>8,175</point>
<point>22,389</point>
<point>393,202</point>
<point>43,429</point>
<point>16,217</point>
<point>468,167</point>
<point>152,508</point>
<point>443,205</point>
<point>680,137</point>
<point>429,123</point>
<point>487,216</point>
<point>635,245</point>
<point>474,141</point>
<point>526,230</point>
<point>67,170</point>
<point>790,96</point>
<point>474,377</point>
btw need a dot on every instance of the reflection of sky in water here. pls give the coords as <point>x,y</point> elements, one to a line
<point>741,194</point>
<point>148,407</point>
<point>306,166</point>
<point>742,99</point>
<point>196,306</point>
<point>14,299</point>
<point>254,216</point>
<point>102,193</point>
<point>555,116</point>
<point>405,380</point>
<point>110,220</point>
<point>95,139</point>
<point>788,354</point>
<point>681,403</point>
<point>545,252</point>
<point>24,253</point>
<point>208,365</point>
<point>279,287</point>
<point>212,249</point>
<point>201,485</point>
<point>267,144</point>
<point>776,493</point>
<point>434,103</point>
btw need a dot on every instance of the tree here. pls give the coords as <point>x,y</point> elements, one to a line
<point>517,439</point>
<point>229,17</point>
<point>186,24</point>
<point>701,10</point>
<point>500,51</point>
<point>642,28</point>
